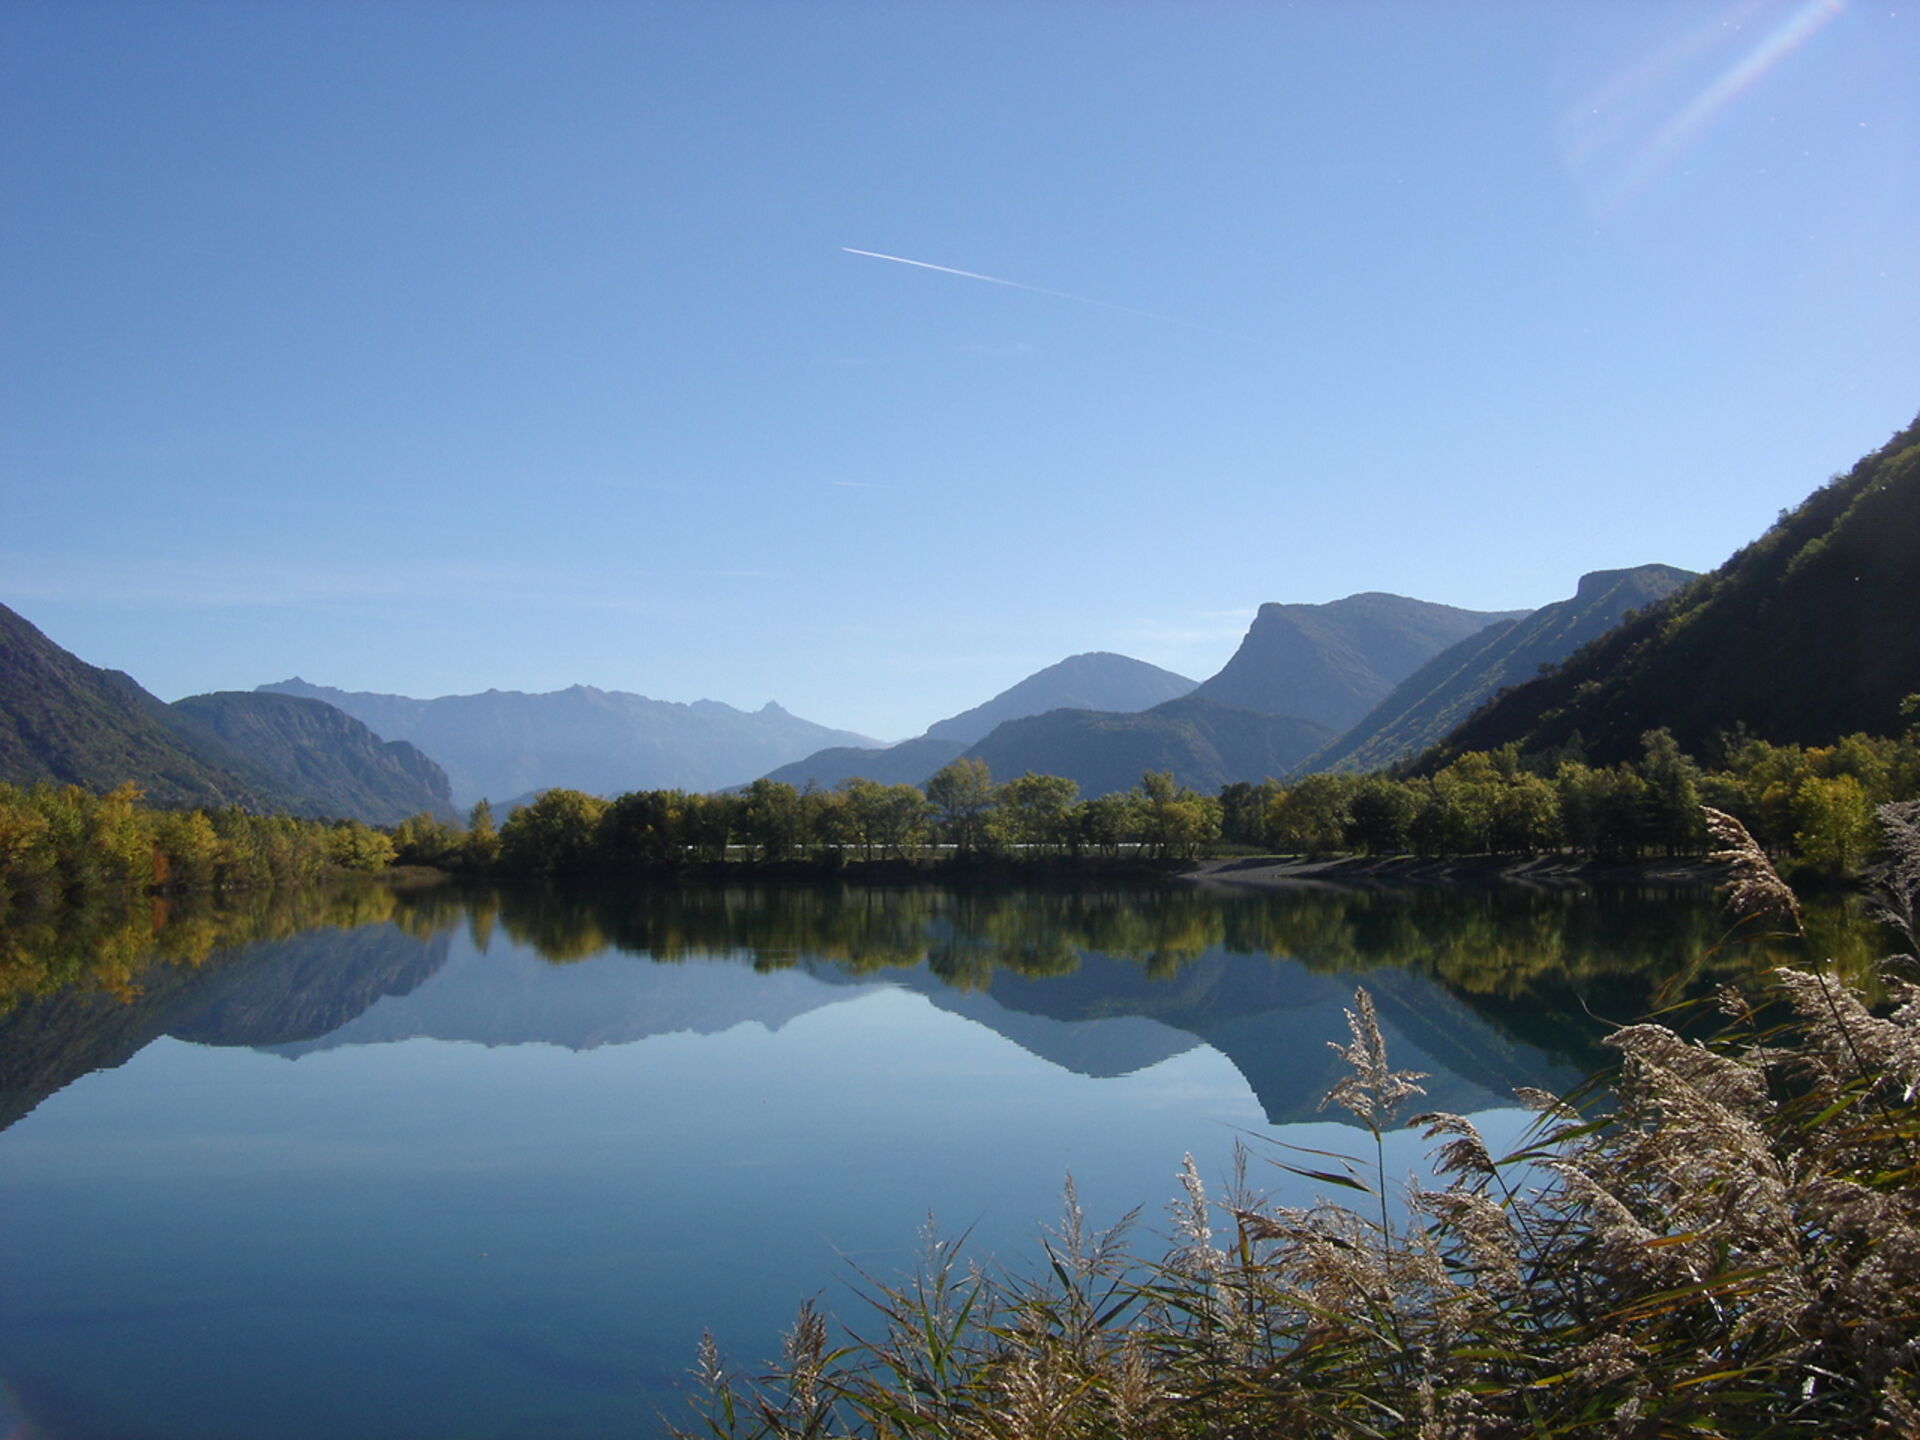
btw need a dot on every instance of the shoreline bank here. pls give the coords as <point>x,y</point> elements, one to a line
<point>1385,871</point>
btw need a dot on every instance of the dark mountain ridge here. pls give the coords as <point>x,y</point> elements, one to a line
<point>911,762</point>
<point>1810,633</point>
<point>71,723</point>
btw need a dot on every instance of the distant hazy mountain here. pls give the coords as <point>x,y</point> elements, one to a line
<point>605,742</point>
<point>1204,744</point>
<point>1810,633</point>
<point>335,764</point>
<point>1097,681</point>
<point>911,762</point>
<point>69,722</point>
<point>1333,663</point>
<point>1447,689</point>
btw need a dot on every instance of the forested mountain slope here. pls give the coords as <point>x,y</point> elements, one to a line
<point>332,762</point>
<point>68,722</point>
<point>1333,663</point>
<point>1447,689</point>
<point>1810,633</point>
<point>72,723</point>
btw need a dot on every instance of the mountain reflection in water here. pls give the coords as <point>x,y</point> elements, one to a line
<point>1485,988</point>
<point>440,1163</point>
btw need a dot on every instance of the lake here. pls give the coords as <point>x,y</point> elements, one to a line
<point>486,1164</point>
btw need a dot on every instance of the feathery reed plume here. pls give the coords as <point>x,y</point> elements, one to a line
<point>1373,1091</point>
<point>1897,901</point>
<point>1755,891</point>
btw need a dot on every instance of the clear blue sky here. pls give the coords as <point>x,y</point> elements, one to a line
<point>435,347</point>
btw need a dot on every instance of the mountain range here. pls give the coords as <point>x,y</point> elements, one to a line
<point>1200,742</point>
<point>310,749</point>
<point>1098,681</point>
<point>1301,674</point>
<point>505,743</point>
<point>1809,633</point>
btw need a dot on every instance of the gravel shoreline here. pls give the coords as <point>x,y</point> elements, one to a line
<point>1275,871</point>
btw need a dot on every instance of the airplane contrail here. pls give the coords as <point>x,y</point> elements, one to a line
<point>1035,289</point>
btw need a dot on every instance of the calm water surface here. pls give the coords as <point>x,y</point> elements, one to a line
<point>487,1165</point>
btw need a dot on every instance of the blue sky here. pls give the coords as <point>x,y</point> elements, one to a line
<point>437,347</point>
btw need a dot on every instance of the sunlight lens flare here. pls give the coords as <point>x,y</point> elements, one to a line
<point>1671,138</point>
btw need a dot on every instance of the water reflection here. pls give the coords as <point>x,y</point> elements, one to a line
<point>1489,987</point>
<point>440,1164</point>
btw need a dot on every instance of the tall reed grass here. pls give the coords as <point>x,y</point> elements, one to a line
<point>1727,1245</point>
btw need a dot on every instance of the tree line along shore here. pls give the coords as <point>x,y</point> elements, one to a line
<point>1810,807</point>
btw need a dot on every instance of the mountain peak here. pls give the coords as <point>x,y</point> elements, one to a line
<point>1097,680</point>
<point>1597,582</point>
<point>1332,663</point>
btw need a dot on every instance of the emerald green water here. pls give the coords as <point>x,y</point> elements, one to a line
<point>487,1165</point>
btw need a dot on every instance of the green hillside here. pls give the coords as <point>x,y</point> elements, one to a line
<point>70,723</point>
<point>65,721</point>
<point>1808,634</point>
